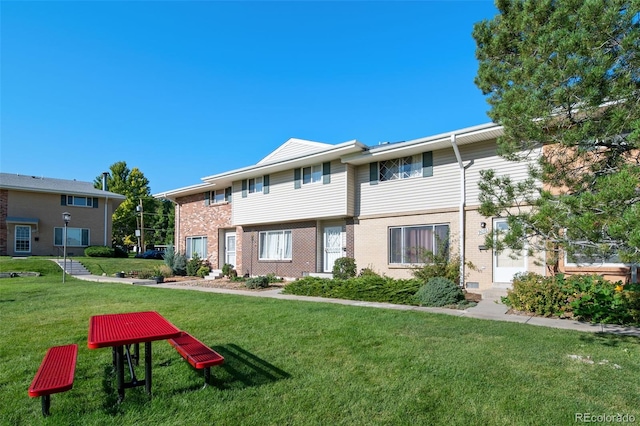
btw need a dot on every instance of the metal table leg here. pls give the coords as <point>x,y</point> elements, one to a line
<point>120,372</point>
<point>147,366</point>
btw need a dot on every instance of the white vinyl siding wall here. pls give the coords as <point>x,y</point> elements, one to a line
<point>406,195</point>
<point>440,191</point>
<point>484,157</point>
<point>286,203</point>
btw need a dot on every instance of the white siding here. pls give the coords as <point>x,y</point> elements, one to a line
<point>406,195</point>
<point>440,191</point>
<point>285,203</point>
<point>484,157</point>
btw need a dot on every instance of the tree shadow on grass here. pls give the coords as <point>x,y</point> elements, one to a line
<point>609,339</point>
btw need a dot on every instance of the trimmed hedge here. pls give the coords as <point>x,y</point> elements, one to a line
<point>99,251</point>
<point>438,292</point>
<point>369,288</point>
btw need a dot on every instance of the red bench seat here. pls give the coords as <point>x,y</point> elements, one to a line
<point>55,374</point>
<point>199,355</point>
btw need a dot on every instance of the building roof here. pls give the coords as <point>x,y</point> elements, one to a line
<point>51,185</point>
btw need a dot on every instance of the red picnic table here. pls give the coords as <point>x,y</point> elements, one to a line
<point>120,331</point>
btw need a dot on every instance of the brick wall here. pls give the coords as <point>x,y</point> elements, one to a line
<point>198,219</point>
<point>303,240</point>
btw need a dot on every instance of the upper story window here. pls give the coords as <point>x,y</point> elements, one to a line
<point>218,196</point>
<point>77,201</point>
<point>420,165</point>
<point>255,185</point>
<point>401,168</point>
<point>312,174</point>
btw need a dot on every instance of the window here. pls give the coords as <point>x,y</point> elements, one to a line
<point>218,196</point>
<point>255,185</point>
<point>401,168</point>
<point>76,237</point>
<point>581,259</point>
<point>73,200</point>
<point>407,244</point>
<point>312,174</point>
<point>275,245</point>
<point>23,239</point>
<point>197,245</point>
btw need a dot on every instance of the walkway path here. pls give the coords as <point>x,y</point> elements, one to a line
<point>488,308</point>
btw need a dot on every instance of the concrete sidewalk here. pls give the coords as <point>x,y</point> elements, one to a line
<point>489,308</point>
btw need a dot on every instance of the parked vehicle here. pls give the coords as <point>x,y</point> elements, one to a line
<point>151,254</point>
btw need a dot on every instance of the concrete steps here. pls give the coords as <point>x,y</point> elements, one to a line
<point>73,267</point>
<point>214,275</point>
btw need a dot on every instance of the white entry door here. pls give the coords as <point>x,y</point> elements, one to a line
<point>332,246</point>
<point>230,248</point>
<point>508,262</point>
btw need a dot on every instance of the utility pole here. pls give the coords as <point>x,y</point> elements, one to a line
<point>142,226</point>
<point>141,211</point>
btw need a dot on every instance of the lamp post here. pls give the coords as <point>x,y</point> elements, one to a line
<point>66,216</point>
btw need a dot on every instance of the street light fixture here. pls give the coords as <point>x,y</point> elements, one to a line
<point>66,216</point>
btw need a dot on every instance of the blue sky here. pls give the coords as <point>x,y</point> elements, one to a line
<point>183,90</point>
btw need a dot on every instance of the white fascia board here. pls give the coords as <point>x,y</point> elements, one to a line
<point>334,153</point>
<point>94,194</point>
<point>431,143</point>
<point>183,192</point>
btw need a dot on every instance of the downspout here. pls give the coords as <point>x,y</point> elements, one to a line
<point>463,197</point>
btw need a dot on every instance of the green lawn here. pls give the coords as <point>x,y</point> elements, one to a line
<point>301,363</point>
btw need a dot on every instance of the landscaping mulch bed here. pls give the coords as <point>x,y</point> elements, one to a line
<point>218,283</point>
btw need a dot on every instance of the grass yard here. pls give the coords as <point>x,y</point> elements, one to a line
<point>300,363</point>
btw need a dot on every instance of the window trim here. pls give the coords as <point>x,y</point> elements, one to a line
<point>15,239</point>
<point>403,227</point>
<point>188,246</point>
<point>314,176</point>
<point>83,232</point>
<point>280,249</point>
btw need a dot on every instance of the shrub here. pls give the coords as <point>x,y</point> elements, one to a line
<point>228,271</point>
<point>592,298</point>
<point>273,278</point>
<point>344,268</point>
<point>193,265</point>
<point>370,288</point>
<point>169,257</point>
<point>203,271</point>
<point>99,251</point>
<point>120,252</point>
<point>257,282</point>
<point>439,291</point>
<point>368,272</point>
<point>179,264</point>
<point>539,295</point>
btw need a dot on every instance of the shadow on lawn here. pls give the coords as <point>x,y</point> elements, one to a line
<point>609,339</point>
<point>242,369</point>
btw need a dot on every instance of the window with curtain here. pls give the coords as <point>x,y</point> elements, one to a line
<point>275,245</point>
<point>401,168</point>
<point>408,244</point>
<point>196,245</point>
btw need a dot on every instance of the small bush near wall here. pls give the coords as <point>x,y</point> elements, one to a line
<point>99,251</point>
<point>439,291</point>
<point>583,297</point>
<point>257,282</point>
<point>344,268</point>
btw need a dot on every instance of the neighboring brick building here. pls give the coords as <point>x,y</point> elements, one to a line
<point>31,215</point>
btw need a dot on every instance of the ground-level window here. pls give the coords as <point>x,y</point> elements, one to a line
<point>275,245</point>
<point>582,259</point>
<point>23,239</point>
<point>408,244</point>
<point>76,237</point>
<point>197,245</point>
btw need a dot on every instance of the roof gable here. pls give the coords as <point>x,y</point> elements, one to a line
<point>294,148</point>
